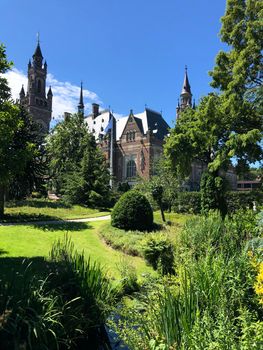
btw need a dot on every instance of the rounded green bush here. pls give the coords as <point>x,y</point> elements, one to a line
<point>132,212</point>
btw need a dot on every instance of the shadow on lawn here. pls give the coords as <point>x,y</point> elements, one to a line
<point>63,226</point>
<point>23,218</point>
<point>3,252</point>
<point>37,204</point>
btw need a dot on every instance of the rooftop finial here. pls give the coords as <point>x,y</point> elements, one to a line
<point>185,67</point>
<point>38,41</point>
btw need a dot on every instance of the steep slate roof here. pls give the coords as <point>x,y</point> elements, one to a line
<point>139,123</point>
<point>156,123</point>
<point>146,120</point>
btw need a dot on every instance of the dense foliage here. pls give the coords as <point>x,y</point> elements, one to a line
<point>15,149</point>
<point>214,301</point>
<point>63,307</point>
<point>77,165</point>
<point>158,251</point>
<point>132,212</point>
<point>226,125</point>
<point>190,202</point>
<point>35,175</point>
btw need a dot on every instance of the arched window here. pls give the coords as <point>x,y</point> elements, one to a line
<point>39,86</point>
<point>131,168</point>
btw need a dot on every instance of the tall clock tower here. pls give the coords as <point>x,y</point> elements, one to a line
<point>36,101</point>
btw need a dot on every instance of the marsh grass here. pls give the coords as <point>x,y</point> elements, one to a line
<point>210,302</point>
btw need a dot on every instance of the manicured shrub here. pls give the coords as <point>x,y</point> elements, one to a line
<point>132,212</point>
<point>159,253</point>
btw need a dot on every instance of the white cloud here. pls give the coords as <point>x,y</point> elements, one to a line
<point>65,94</point>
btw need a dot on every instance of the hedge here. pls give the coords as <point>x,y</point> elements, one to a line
<point>190,202</point>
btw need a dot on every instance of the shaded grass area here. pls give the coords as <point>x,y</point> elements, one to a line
<point>36,241</point>
<point>35,295</point>
<point>41,209</point>
<point>131,242</point>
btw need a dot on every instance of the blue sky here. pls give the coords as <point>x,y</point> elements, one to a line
<point>128,53</point>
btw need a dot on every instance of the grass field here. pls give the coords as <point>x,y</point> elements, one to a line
<point>36,241</point>
<point>41,209</point>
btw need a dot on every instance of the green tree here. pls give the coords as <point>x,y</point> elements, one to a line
<point>15,150</point>
<point>35,174</point>
<point>238,71</point>
<point>229,125</point>
<point>78,168</point>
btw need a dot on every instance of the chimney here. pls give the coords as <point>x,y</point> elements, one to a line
<point>95,110</point>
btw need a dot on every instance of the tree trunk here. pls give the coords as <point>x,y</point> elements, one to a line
<point>2,200</point>
<point>162,211</point>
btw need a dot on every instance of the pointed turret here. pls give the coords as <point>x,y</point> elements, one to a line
<point>22,93</point>
<point>186,86</point>
<point>186,95</point>
<point>81,104</point>
<point>49,94</point>
<point>29,64</point>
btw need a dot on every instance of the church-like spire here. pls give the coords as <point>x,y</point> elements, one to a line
<point>49,92</point>
<point>22,92</point>
<point>81,104</point>
<point>37,56</point>
<point>185,96</point>
<point>38,52</point>
<point>186,86</point>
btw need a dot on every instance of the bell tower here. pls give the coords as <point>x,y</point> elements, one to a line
<point>38,104</point>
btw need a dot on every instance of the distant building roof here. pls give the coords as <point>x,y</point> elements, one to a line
<point>147,120</point>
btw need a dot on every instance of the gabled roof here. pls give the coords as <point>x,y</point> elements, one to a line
<point>147,120</point>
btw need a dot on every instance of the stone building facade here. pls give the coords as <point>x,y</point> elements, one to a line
<point>131,144</point>
<point>36,101</point>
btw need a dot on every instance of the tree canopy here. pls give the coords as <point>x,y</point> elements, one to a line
<point>227,125</point>
<point>15,149</point>
<point>77,166</point>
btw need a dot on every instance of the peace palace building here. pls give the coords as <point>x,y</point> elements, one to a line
<point>131,144</point>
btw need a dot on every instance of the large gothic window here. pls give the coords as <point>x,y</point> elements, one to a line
<point>39,86</point>
<point>131,169</point>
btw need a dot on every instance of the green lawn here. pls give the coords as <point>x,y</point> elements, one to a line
<point>36,241</point>
<point>41,209</point>
<point>176,219</point>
